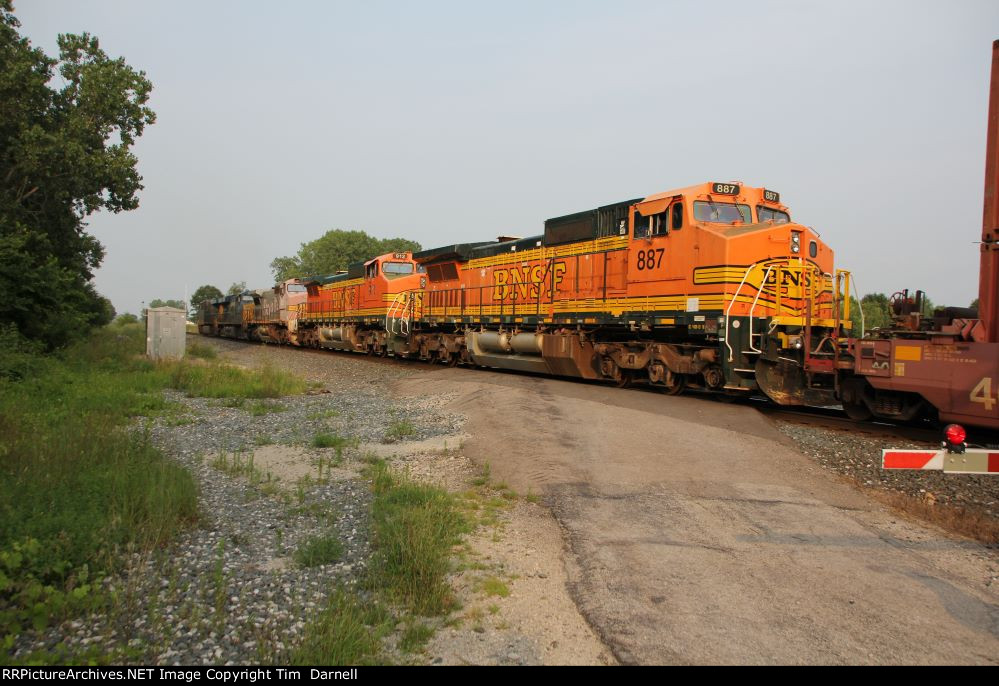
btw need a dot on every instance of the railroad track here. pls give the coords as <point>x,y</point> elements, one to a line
<point>836,420</point>
<point>824,417</point>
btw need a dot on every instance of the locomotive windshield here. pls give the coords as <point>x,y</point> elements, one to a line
<point>296,288</point>
<point>391,269</point>
<point>768,213</point>
<point>722,212</point>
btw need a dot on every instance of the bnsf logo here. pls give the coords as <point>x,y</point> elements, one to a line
<point>525,281</point>
<point>788,278</point>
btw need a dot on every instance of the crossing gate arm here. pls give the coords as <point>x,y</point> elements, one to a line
<point>972,461</point>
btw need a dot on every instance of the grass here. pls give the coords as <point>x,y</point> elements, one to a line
<point>347,632</point>
<point>400,430</point>
<point>493,586</point>
<point>415,527</point>
<point>319,550</point>
<point>324,440</point>
<point>414,637</point>
<point>262,407</point>
<point>76,488</point>
<point>483,478</point>
<point>225,381</point>
<point>202,351</point>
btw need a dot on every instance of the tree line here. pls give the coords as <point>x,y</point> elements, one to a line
<point>67,125</point>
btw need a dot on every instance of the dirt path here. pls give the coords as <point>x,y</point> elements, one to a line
<point>697,534</point>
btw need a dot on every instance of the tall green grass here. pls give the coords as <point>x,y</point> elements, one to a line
<point>225,381</point>
<point>415,527</point>
<point>347,632</point>
<point>77,486</point>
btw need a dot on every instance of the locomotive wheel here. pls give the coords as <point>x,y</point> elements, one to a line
<point>674,384</point>
<point>622,378</point>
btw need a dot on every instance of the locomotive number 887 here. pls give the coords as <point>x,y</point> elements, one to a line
<point>712,286</point>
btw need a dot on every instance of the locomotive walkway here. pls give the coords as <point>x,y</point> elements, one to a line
<point>698,534</point>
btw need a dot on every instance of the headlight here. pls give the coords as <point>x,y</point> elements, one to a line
<point>795,248</point>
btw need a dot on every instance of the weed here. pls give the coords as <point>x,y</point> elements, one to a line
<point>319,550</point>
<point>226,381</point>
<point>483,477</point>
<point>415,636</point>
<point>200,350</point>
<point>491,585</point>
<point>219,582</point>
<point>262,440</point>
<point>346,632</point>
<point>261,408</point>
<point>399,430</point>
<point>415,527</point>
<point>324,440</point>
<point>78,490</point>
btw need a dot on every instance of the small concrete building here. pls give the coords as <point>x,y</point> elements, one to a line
<point>166,333</point>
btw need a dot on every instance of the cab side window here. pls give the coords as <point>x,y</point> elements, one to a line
<point>372,270</point>
<point>677,211</point>
<point>643,225</point>
<point>652,226</point>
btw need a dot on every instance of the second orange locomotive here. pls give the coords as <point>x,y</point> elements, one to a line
<point>711,286</point>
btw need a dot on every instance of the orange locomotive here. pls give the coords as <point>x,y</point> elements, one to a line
<point>710,286</point>
<point>358,309</point>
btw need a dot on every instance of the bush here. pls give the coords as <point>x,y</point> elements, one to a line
<point>19,357</point>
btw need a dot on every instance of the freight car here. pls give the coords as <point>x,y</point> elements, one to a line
<point>947,364</point>
<point>711,286</point>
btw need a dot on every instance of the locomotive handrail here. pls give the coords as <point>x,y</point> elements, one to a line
<point>753,309</point>
<point>728,311</point>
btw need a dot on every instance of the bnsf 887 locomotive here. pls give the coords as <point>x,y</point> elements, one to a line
<point>712,286</point>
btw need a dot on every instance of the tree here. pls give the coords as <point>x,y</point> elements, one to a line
<point>64,154</point>
<point>928,306</point>
<point>333,251</point>
<point>974,304</point>
<point>237,288</point>
<point>156,302</point>
<point>203,293</point>
<point>855,319</point>
<point>877,314</point>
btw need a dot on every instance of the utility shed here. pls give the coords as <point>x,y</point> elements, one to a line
<point>166,333</point>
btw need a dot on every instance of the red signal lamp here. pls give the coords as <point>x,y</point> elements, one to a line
<point>954,437</point>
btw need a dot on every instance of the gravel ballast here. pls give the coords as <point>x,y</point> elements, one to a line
<point>858,457</point>
<point>229,591</point>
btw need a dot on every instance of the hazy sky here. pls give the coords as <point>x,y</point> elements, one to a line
<point>460,121</point>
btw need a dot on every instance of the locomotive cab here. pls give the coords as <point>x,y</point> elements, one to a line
<point>743,275</point>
